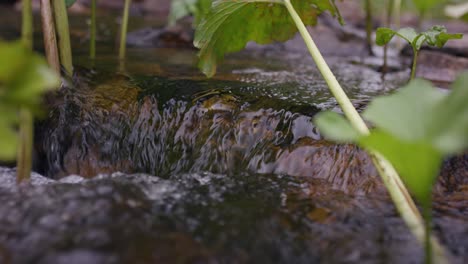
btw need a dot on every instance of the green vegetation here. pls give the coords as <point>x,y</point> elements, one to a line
<point>123,30</point>
<point>50,36</point>
<point>92,32</point>
<point>436,36</point>
<point>229,25</point>
<point>369,26</point>
<point>63,35</point>
<point>413,137</point>
<point>24,77</point>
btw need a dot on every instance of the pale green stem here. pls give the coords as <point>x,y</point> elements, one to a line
<point>415,63</point>
<point>427,212</point>
<point>399,194</point>
<point>329,77</point>
<point>389,25</point>
<point>24,151</point>
<point>397,18</point>
<point>50,37</point>
<point>92,45</point>
<point>369,27</point>
<point>24,154</point>
<point>27,24</point>
<point>63,33</point>
<point>123,30</point>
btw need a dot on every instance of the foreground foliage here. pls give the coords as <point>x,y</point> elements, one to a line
<point>24,77</point>
<point>414,129</point>
<point>230,25</point>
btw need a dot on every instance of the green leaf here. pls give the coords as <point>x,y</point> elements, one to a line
<point>384,36</point>
<point>414,129</point>
<point>36,78</point>
<point>422,113</point>
<point>335,127</point>
<point>407,113</point>
<point>14,57</point>
<point>418,163</point>
<point>231,24</point>
<point>436,36</point>
<point>450,126</point>
<point>69,3</point>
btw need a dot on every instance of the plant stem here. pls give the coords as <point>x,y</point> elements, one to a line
<point>369,27</point>
<point>92,46</point>
<point>427,212</point>
<point>389,23</point>
<point>329,77</point>
<point>50,37</point>
<point>397,18</point>
<point>415,62</point>
<point>27,24</point>
<point>63,33</point>
<point>399,194</point>
<point>123,30</point>
<point>25,146</point>
<point>24,152</point>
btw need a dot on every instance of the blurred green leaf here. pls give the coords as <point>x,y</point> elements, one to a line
<point>407,113</point>
<point>335,127</point>
<point>414,129</point>
<point>231,24</point>
<point>418,163</point>
<point>24,77</point>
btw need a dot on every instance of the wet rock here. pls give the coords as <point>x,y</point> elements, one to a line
<point>440,68</point>
<point>211,218</point>
<point>105,221</point>
<point>8,178</point>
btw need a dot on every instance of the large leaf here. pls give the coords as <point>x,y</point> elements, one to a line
<point>419,112</point>
<point>407,113</point>
<point>24,76</point>
<point>231,24</point>
<point>418,163</point>
<point>450,126</point>
<point>414,129</point>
